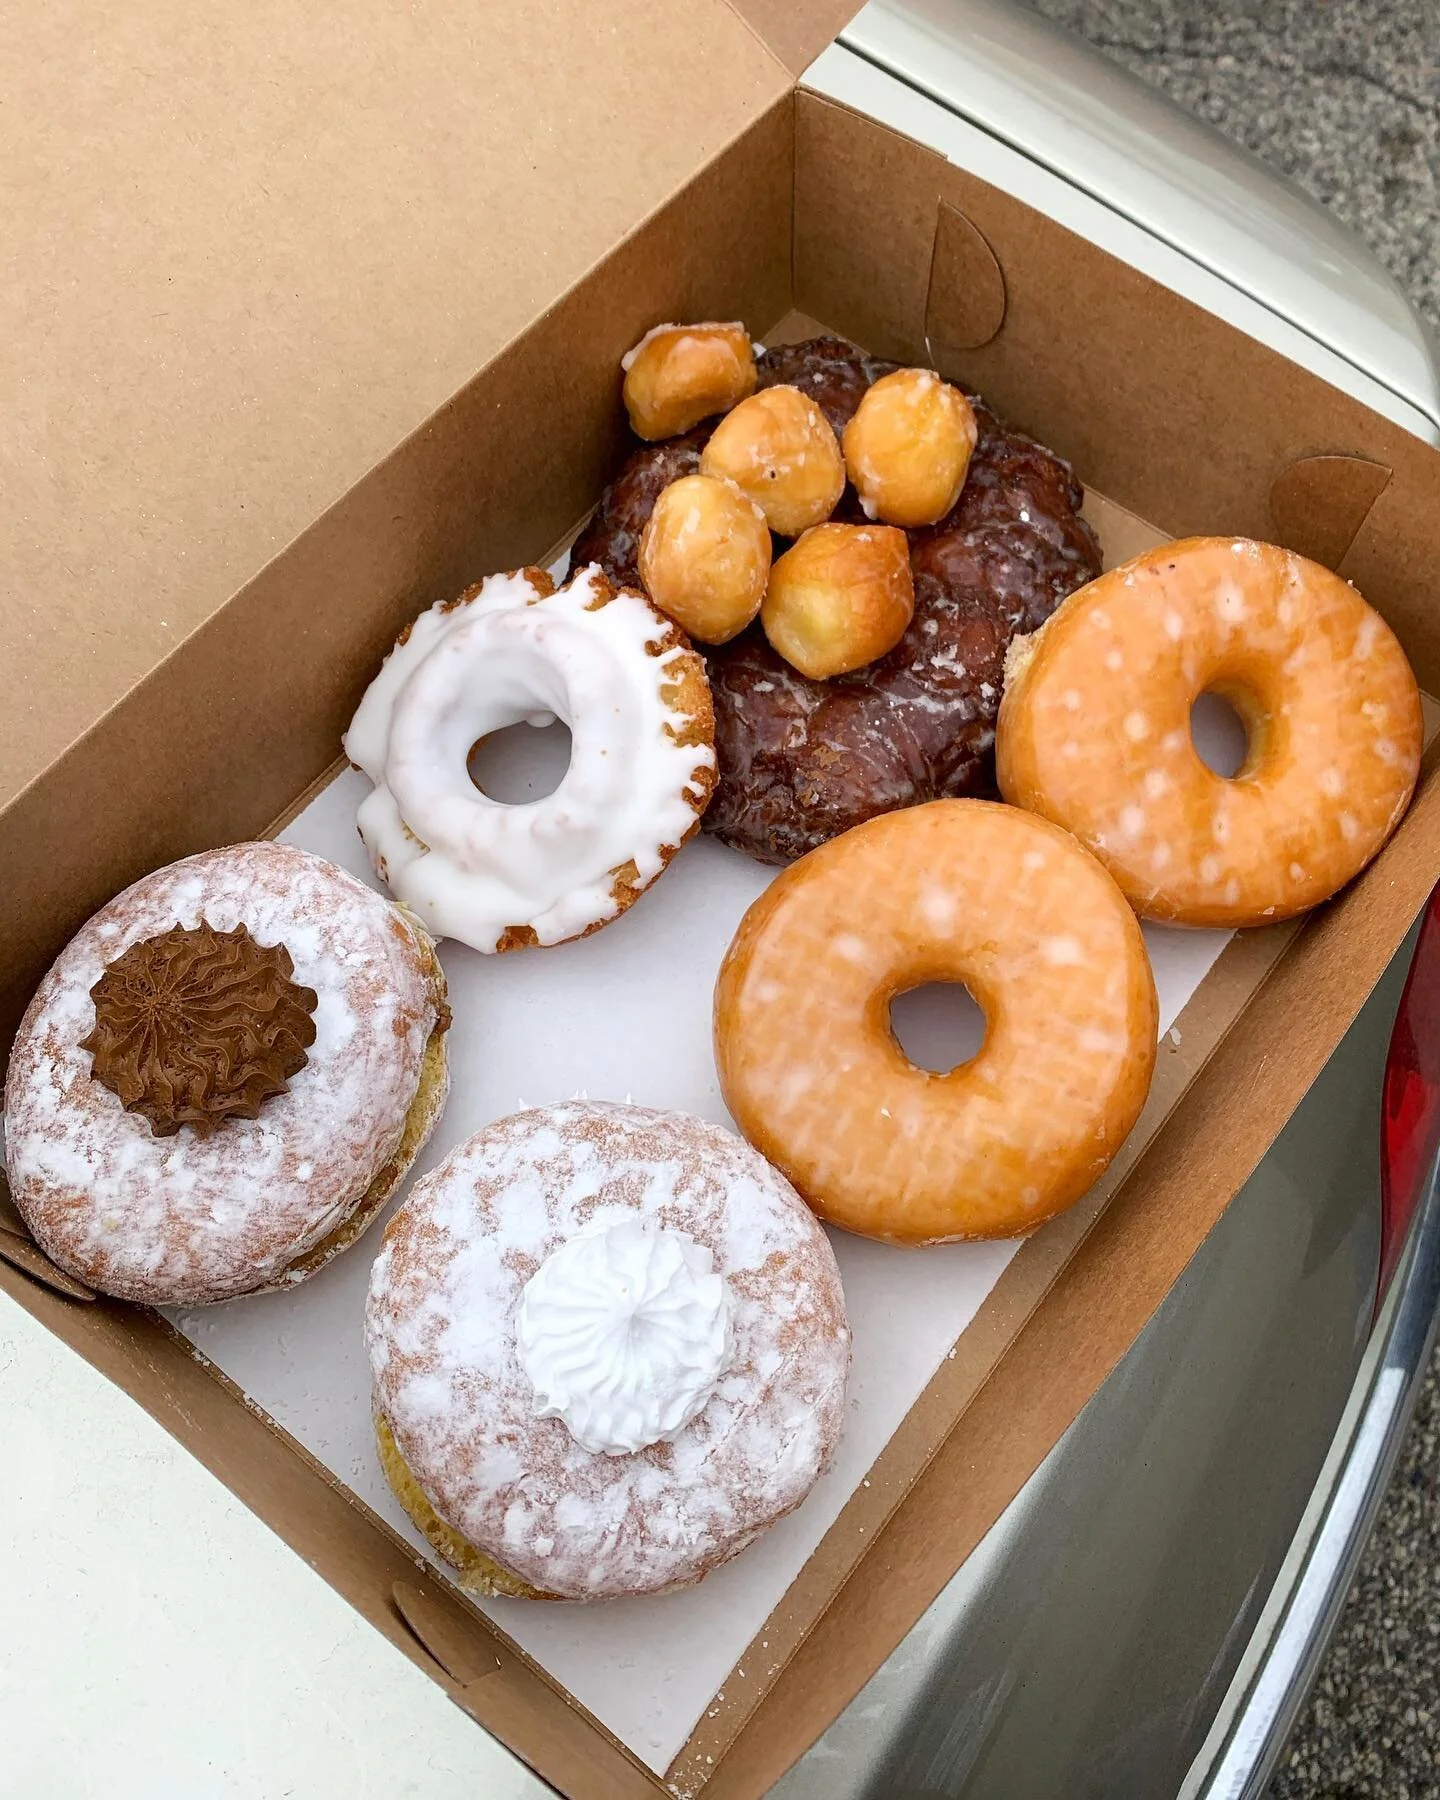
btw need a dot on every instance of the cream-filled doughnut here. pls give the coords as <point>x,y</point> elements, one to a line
<point>1094,730</point>
<point>642,760</point>
<point>609,1348</point>
<point>224,1077</point>
<point>963,891</point>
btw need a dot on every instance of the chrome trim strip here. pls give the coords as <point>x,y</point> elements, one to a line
<point>1261,1720</point>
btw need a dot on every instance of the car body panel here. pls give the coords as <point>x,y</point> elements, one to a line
<point>852,80</point>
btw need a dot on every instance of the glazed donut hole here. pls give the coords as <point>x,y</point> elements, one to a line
<point>778,448</point>
<point>705,557</point>
<point>839,598</point>
<point>678,375</point>
<point>908,447</point>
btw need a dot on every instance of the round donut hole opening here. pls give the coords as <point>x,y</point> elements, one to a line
<point>523,763</point>
<point>1221,736</point>
<point>939,1026</point>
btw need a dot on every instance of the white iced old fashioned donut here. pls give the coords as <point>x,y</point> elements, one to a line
<point>642,762</point>
<point>609,1348</point>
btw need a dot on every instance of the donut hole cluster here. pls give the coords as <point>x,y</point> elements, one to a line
<point>818,726</point>
<point>842,594</point>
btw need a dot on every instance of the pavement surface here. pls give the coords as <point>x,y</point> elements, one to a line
<point>1343,96</point>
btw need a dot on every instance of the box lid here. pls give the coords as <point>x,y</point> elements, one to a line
<point>247,250</point>
<point>796,30</point>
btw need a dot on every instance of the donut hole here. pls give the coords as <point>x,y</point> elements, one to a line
<point>521,764</point>
<point>939,1026</point>
<point>1222,738</point>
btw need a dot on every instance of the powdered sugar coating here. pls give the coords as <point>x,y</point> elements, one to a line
<point>440,1325</point>
<point>184,1220</point>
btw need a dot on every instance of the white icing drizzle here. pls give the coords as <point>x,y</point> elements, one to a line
<point>624,1333</point>
<point>472,868</point>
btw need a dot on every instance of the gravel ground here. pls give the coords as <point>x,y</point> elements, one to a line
<point>1344,97</point>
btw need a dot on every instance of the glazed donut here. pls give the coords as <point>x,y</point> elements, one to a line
<point>963,891</point>
<point>609,1349</point>
<point>224,1077</point>
<point>642,763</point>
<point>1095,730</point>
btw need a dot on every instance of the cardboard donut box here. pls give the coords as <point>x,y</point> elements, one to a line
<point>307,331</point>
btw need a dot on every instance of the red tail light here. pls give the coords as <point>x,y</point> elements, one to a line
<point>1410,1120</point>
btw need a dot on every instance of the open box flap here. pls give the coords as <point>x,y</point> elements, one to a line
<point>247,250</point>
<point>797,30</point>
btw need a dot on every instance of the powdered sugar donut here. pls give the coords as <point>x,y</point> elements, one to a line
<point>609,1348</point>
<point>642,761</point>
<point>224,1077</point>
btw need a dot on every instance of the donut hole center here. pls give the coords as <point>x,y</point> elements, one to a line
<point>522,763</point>
<point>1220,734</point>
<point>938,1026</point>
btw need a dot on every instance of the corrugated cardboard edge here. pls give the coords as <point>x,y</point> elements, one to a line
<point>20,1250</point>
<point>24,1254</point>
<point>436,1624</point>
